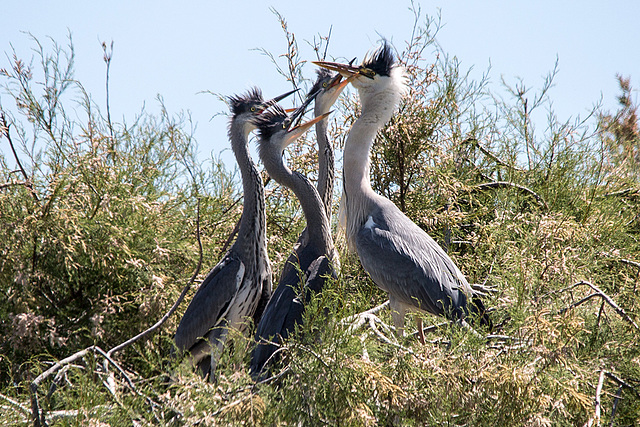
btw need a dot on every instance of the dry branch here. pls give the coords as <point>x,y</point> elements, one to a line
<point>4,126</point>
<point>507,184</point>
<point>175,305</point>
<point>629,262</point>
<point>14,404</point>
<point>488,153</point>
<point>598,292</point>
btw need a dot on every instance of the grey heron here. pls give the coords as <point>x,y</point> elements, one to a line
<point>401,258</point>
<point>313,255</point>
<point>239,286</point>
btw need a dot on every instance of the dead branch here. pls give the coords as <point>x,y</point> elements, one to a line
<point>4,126</point>
<point>507,184</point>
<point>577,303</point>
<point>597,399</point>
<point>175,305</point>
<point>615,405</point>
<point>16,405</point>
<point>598,292</point>
<point>612,303</point>
<point>622,383</point>
<point>10,184</point>
<point>626,192</point>
<point>38,415</point>
<point>488,153</point>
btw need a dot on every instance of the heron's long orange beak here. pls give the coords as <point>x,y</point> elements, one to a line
<point>297,131</point>
<point>346,70</point>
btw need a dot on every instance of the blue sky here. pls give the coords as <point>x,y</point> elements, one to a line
<point>178,50</point>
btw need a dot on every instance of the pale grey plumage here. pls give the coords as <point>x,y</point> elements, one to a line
<point>400,257</point>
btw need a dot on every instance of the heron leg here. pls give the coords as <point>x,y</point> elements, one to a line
<point>420,329</point>
<point>398,311</point>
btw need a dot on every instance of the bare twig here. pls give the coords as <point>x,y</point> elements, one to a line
<point>597,399</point>
<point>38,415</point>
<point>615,306</point>
<point>622,383</point>
<point>615,405</point>
<point>4,126</point>
<point>178,301</point>
<point>629,262</point>
<point>605,297</point>
<point>9,184</point>
<point>14,404</point>
<point>488,153</point>
<point>507,184</point>
<point>577,303</point>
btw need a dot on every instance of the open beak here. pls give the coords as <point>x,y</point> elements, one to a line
<point>297,131</point>
<point>346,70</point>
<point>272,101</point>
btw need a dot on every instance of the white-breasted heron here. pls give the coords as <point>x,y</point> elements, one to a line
<point>401,258</point>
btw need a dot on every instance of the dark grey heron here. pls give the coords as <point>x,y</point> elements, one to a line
<point>326,90</point>
<point>239,286</point>
<point>401,258</point>
<point>313,255</point>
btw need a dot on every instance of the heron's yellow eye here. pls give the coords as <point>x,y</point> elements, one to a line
<point>325,84</point>
<point>253,108</point>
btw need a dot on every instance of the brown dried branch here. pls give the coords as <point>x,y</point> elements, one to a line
<point>488,153</point>
<point>178,301</point>
<point>4,127</point>
<point>507,184</point>
<point>605,297</point>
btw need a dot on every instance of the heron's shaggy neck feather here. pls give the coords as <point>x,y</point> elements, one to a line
<point>253,220</point>
<point>312,206</point>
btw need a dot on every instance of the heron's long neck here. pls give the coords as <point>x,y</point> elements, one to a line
<point>253,220</point>
<point>377,110</point>
<point>325,164</point>
<point>312,206</point>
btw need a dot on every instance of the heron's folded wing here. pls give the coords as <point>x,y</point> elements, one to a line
<point>409,265</point>
<point>211,303</point>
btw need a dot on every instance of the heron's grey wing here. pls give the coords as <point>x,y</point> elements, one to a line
<point>405,261</point>
<point>286,307</point>
<point>211,303</point>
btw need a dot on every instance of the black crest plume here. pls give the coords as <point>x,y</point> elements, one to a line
<point>239,104</point>
<point>270,121</point>
<point>381,60</point>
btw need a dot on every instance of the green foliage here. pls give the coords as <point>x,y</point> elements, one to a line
<point>97,239</point>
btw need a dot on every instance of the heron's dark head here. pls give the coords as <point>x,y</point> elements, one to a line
<point>247,106</point>
<point>276,128</point>
<point>326,89</point>
<point>251,101</point>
